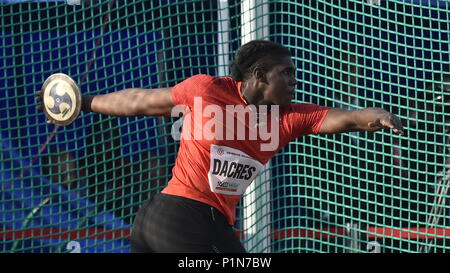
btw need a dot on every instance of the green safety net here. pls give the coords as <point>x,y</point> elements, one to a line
<point>78,188</point>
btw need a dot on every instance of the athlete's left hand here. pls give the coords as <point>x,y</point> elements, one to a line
<point>385,120</point>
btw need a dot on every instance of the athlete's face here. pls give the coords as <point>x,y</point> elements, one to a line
<point>281,83</point>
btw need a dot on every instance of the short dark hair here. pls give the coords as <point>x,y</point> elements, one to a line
<point>257,53</point>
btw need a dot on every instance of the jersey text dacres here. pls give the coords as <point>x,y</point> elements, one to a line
<point>233,169</point>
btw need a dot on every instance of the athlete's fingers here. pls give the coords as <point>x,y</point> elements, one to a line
<point>40,106</point>
<point>388,122</point>
<point>394,123</point>
<point>39,94</point>
<point>38,98</point>
<point>396,127</point>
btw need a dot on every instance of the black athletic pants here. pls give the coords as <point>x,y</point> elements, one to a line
<point>169,223</point>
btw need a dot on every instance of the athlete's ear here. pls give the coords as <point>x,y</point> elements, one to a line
<point>260,74</point>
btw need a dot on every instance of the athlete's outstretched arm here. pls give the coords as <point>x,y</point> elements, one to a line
<point>126,103</point>
<point>369,119</point>
<point>131,102</point>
